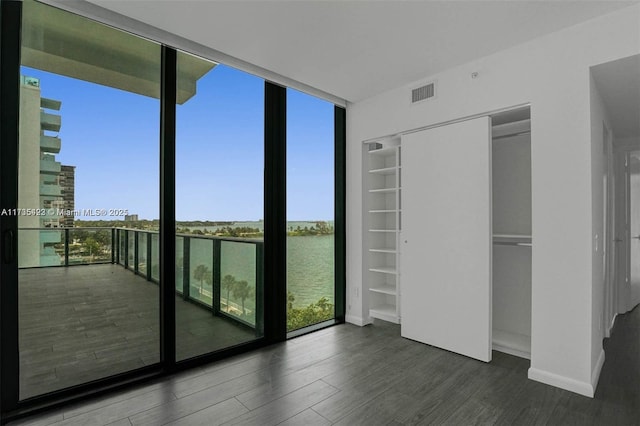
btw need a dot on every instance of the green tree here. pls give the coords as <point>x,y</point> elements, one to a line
<point>92,246</point>
<point>228,284</point>
<point>201,274</point>
<point>314,313</point>
<point>242,291</point>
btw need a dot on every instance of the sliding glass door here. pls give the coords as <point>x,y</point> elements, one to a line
<point>87,185</point>
<point>219,207</point>
<point>137,185</point>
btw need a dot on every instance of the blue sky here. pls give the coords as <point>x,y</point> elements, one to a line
<point>111,136</point>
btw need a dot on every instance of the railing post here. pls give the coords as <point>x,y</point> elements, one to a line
<point>259,308</point>
<point>126,248</point>
<point>186,265</point>
<point>149,260</point>
<point>66,246</point>
<point>217,246</point>
<point>113,245</point>
<point>136,261</point>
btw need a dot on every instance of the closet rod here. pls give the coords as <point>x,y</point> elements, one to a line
<point>508,243</point>
<point>528,132</point>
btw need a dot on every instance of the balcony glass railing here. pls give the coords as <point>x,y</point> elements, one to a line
<point>221,274</point>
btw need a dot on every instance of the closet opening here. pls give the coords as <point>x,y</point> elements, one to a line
<point>511,231</point>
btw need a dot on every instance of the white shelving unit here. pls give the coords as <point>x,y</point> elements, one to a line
<point>382,220</point>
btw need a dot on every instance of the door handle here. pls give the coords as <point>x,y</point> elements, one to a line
<point>636,237</point>
<point>8,252</point>
<point>617,240</point>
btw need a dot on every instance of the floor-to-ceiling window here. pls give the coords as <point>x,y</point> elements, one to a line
<point>219,206</point>
<point>88,167</point>
<point>310,210</point>
<point>95,300</point>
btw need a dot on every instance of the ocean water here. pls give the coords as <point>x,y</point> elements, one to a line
<point>310,262</point>
<point>310,268</point>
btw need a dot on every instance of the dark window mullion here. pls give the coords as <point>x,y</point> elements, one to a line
<point>340,212</point>
<point>167,242</point>
<point>10,27</point>
<point>275,211</point>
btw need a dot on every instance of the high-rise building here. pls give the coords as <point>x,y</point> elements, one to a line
<point>67,186</point>
<point>39,191</point>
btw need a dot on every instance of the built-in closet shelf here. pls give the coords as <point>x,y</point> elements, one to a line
<point>384,270</point>
<point>384,289</point>
<point>512,343</point>
<point>383,250</point>
<point>384,151</point>
<point>383,190</point>
<point>381,225</point>
<point>384,171</point>
<point>512,239</point>
<point>385,313</point>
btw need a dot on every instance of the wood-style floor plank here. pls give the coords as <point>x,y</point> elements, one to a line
<point>82,323</point>
<point>347,375</point>
<point>213,415</point>
<point>286,407</point>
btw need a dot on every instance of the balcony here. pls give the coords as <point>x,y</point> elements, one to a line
<point>50,190</point>
<point>96,314</point>
<point>49,166</point>
<point>51,122</point>
<point>50,144</point>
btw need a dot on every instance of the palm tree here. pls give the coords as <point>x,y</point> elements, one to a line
<point>290,299</point>
<point>200,274</point>
<point>228,284</point>
<point>242,291</point>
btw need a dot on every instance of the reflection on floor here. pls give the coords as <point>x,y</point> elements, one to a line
<point>82,323</point>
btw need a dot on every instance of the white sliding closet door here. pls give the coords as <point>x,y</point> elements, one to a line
<point>446,237</point>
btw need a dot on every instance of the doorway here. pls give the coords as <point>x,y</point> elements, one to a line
<point>634,228</point>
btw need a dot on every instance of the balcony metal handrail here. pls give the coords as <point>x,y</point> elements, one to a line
<point>120,255</point>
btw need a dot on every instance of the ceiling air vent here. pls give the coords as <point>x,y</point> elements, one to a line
<point>422,93</point>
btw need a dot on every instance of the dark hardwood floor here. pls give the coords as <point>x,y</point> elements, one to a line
<point>348,375</point>
<point>83,323</point>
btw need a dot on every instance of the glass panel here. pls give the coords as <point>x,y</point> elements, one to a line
<point>131,249</point>
<point>310,210</point>
<point>238,281</point>
<point>201,270</point>
<point>142,253</point>
<point>155,256</point>
<point>123,244</point>
<point>219,194</point>
<point>89,246</point>
<point>40,247</point>
<point>179,263</point>
<point>88,163</point>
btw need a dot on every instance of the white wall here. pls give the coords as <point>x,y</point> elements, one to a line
<point>599,119</point>
<point>551,73</point>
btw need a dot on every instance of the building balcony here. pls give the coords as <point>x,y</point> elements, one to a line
<point>50,144</point>
<point>50,190</point>
<point>50,104</point>
<point>114,296</point>
<point>51,122</point>
<point>50,167</point>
